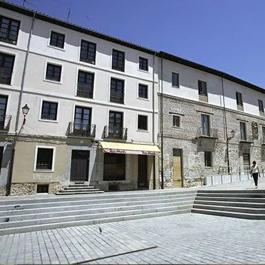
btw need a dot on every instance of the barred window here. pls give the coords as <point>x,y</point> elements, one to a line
<point>143,91</point>
<point>85,84</point>
<point>49,110</point>
<point>208,159</point>
<point>6,68</point>
<point>143,63</point>
<point>118,60</point>
<point>57,39</point>
<point>53,72</point>
<point>9,29</point>
<point>44,158</point>
<point>88,52</point>
<point>117,91</point>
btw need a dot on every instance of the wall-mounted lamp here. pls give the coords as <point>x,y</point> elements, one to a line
<point>25,111</point>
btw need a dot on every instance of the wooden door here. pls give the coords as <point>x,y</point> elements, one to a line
<point>79,165</point>
<point>177,168</point>
<point>142,171</point>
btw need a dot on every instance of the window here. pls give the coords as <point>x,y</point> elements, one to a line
<point>53,72</point>
<point>205,125</point>
<point>117,90</point>
<point>44,158</point>
<point>175,79</point>
<point>85,84</point>
<point>49,110</point>
<point>208,159</point>
<point>202,85</point>
<point>261,107</point>
<point>9,30</point>
<point>1,156</point>
<point>57,39</point>
<point>42,188</point>
<point>114,167</point>
<point>143,63</point>
<point>243,131</point>
<point>118,60</point>
<point>142,91</point>
<point>239,100</point>
<point>82,123</point>
<point>116,124</point>
<point>6,68</point>
<point>176,121</point>
<point>3,105</point>
<point>88,52</point>
<point>142,122</point>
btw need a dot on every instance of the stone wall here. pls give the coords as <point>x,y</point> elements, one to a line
<point>193,167</point>
<point>2,191</point>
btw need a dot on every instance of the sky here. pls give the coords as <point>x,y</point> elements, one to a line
<point>228,35</point>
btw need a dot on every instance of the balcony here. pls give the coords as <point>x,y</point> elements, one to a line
<point>81,130</point>
<point>115,133</point>
<point>211,133</point>
<point>246,139</point>
<point>5,123</point>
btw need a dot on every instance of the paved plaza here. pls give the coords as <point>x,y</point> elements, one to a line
<point>184,239</point>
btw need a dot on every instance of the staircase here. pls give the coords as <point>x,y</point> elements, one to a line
<point>247,204</point>
<point>78,188</point>
<point>31,214</point>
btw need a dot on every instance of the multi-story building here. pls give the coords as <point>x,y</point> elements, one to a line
<point>93,106</point>
<point>99,107</point>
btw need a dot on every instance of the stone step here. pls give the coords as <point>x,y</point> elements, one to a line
<point>230,209</point>
<point>107,195</point>
<point>80,188</point>
<point>92,204</point>
<point>91,217</point>
<point>75,192</point>
<point>230,194</point>
<point>230,214</point>
<point>232,191</point>
<point>87,211</point>
<point>229,203</point>
<point>38,227</point>
<point>231,199</point>
<point>80,185</point>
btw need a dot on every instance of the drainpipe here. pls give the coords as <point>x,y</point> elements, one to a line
<point>225,129</point>
<point>162,126</point>
<point>10,174</point>
<point>153,120</point>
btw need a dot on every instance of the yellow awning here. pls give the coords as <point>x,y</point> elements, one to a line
<point>129,148</point>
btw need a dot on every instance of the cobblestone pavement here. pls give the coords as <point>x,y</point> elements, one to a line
<point>180,239</point>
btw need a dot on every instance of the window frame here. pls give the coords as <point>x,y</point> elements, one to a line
<point>9,26</point>
<point>261,105</point>
<point>172,79</point>
<point>147,91</point>
<point>94,55</point>
<point>61,73</point>
<point>35,169</point>
<point>242,131</point>
<point>93,83</point>
<point>117,67</point>
<point>123,90</point>
<point>239,99</point>
<point>59,34</point>
<point>141,64</point>
<point>174,116</point>
<point>206,160</point>
<point>200,88</point>
<point>12,70</point>
<point>142,129</point>
<point>57,110</point>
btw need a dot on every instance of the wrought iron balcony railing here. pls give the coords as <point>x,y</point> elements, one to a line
<point>81,129</point>
<point>246,139</point>
<point>5,121</point>
<point>115,133</point>
<point>204,133</point>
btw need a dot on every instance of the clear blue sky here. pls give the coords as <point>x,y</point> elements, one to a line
<point>228,35</point>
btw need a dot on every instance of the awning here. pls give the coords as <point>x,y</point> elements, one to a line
<point>128,148</point>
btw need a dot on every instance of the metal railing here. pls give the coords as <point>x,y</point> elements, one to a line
<point>246,138</point>
<point>115,133</point>
<point>5,122</point>
<point>81,129</point>
<point>211,133</point>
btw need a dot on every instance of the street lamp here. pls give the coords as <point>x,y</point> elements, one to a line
<point>25,111</point>
<point>227,150</point>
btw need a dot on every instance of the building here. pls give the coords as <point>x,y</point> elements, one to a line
<point>93,107</point>
<point>100,107</point>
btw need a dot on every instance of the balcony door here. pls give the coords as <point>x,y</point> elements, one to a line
<point>3,104</point>
<point>82,122</point>
<point>116,124</point>
<point>205,124</point>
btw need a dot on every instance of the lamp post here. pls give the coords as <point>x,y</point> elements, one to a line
<point>227,149</point>
<point>25,111</point>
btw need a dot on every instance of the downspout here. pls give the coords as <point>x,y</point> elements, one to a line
<point>162,125</point>
<point>153,120</point>
<point>225,128</point>
<point>10,174</point>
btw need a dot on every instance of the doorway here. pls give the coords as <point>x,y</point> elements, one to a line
<point>79,165</point>
<point>142,172</point>
<point>246,163</point>
<point>177,168</point>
